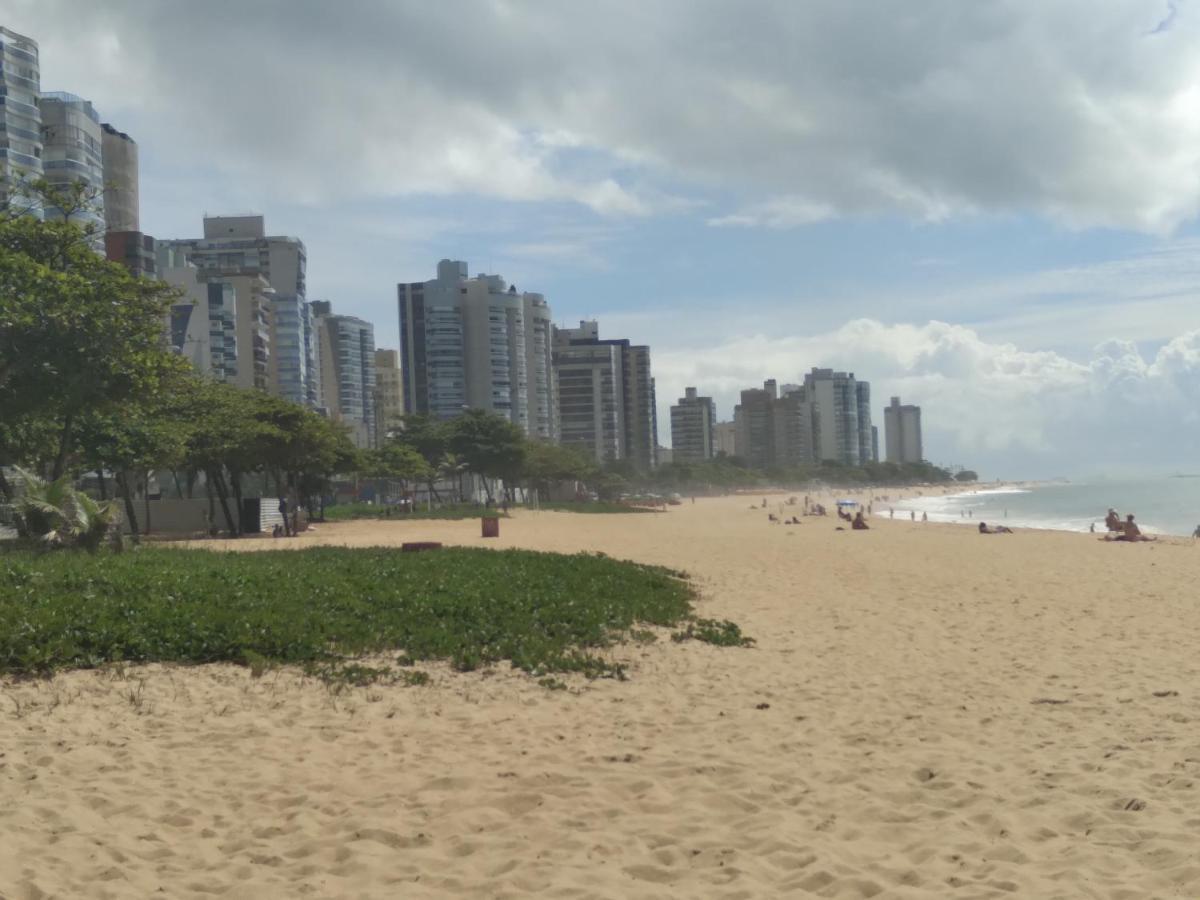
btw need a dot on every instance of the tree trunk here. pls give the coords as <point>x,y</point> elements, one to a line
<point>64,441</point>
<point>235,486</point>
<point>218,483</point>
<point>5,490</point>
<point>130,509</point>
<point>100,483</point>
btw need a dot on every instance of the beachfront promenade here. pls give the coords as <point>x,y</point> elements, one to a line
<point>927,712</point>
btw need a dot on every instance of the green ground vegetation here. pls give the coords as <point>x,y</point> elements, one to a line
<point>324,608</point>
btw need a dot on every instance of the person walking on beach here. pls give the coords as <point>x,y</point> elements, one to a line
<point>924,517</point>
<point>283,511</point>
<point>1196,533</point>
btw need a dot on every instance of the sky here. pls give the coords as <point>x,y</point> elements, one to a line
<point>988,209</point>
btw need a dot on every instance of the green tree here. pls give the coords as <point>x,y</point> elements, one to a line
<point>547,464</point>
<point>490,445</point>
<point>78,334</point>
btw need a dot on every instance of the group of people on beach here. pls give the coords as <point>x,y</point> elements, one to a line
<point>1123,531</point>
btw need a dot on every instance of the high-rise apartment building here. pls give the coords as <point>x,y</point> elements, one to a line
<point>389,394</point>
<point>590,375</point>
<point>277,343</point>
<point>754,422</point>
<point>119,155</point>
<point>867,446</point>
<point>346,349</point>
<point>239,245</point>
<point>725,435</point>
<point>73,152</point>
<point>293,363</point>
<point>794,428</point>
<point>476,343</point>
<point>842,430</point>
<point>606,397</point>
<point>20,116</point>
<point>902,433</point>
<point>693,420</point>
<point>202,325</point>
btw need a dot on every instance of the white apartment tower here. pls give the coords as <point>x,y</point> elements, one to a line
<point>842,416</point>
<point>477,343</point>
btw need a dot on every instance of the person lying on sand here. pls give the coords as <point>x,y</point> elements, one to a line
<point>859,523</point>
<point>999,529</point>
<point>1130,532</point>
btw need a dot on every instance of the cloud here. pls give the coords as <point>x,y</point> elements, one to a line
<point>1087,113</point>
<point>992,405</point>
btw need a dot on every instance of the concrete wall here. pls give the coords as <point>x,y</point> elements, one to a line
<point>179,516</point>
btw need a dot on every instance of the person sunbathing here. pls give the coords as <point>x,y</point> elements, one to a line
<point>859,524</point>
<point>999,529</point>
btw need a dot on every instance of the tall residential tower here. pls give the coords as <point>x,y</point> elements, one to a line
<point>606,399</point>
<point>20,117</point>
<point>477,343</point>
<point>902,433</point>
<point>693,420</point>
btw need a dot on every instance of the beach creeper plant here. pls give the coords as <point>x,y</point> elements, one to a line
<point>329,608</point>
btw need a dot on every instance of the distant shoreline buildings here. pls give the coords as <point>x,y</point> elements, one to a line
<point>466,342</point>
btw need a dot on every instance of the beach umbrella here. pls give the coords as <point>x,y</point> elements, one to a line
<point>847,503</point>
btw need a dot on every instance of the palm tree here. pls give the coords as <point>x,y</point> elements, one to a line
<point>56,514</point>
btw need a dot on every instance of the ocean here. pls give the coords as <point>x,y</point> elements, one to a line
<point>1163,505</point>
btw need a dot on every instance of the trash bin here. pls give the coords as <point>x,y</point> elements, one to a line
<point>491,526</point>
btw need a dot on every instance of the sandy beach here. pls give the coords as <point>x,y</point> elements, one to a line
<point>927,712</point>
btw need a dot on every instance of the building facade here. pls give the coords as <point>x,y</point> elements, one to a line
<point>754,422</point>
<point>795,426</point>
<point>292,365</point>
<point>693,420</point>
<point>389,393</point>
<point>606,396</point>
<point>477,343</point>
<point>346,349</point>
<point>134,250</point>
<point>20,116</point>
<point>119,154</point>
<point>590,375</point>
<point>725,435</point>
<point>842,416</point>
<point>202,326</point>
<point>73,152</point>
<point>239,245</point>
<point>277,340</point>
<point>902,433</point>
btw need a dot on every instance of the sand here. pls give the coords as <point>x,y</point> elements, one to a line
<point>928,712</point>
